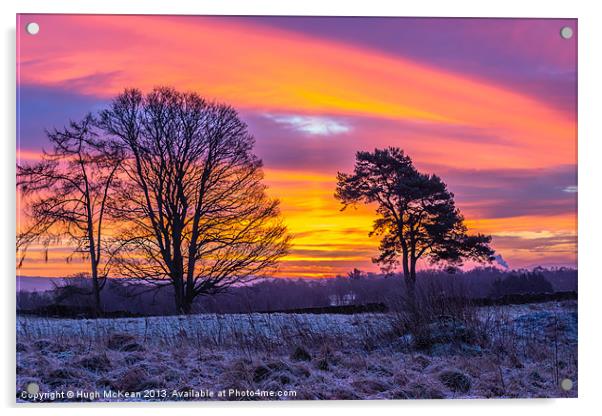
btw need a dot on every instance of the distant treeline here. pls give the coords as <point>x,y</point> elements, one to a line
<point>126,298</point>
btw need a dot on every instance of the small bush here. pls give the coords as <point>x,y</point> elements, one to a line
<point>134,358</point>
<point>132,347</point>
<point>420,362</point>
<point>260,373</point>
<point>441,320</point>
<point>323,365</point>
<point>123,342</point>
<point>455,381</point>
<point>369,386</point>
<point>95,362</point>
<point>62,376</point>
<point>301,354</point>
<point>420,390</point>
<point>134,379</point>
<point>46,345</point>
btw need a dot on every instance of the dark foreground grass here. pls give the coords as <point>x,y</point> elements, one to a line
<point>498,352</point>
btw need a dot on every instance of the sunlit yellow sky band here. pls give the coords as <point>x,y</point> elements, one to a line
<point>489,105</point>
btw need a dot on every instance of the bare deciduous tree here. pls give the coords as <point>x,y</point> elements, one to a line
<point>66,196</point>
<point>196,212</point>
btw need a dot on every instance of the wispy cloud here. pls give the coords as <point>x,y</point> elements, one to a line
<point>314,125</point>
<point>445,108</point>
<point>570,189</point>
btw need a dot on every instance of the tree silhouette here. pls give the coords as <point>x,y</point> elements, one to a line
<point>417,214</point>
<point>66,196</point>
<point>196,214</point>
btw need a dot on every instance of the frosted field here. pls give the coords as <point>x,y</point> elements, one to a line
<point>525,321</point>
<point>219,328</point>
<point>510,351</point>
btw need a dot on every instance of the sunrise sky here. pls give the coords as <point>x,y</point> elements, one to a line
<point>489,105</point>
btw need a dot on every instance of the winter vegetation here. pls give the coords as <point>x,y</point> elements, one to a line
<point>163,198</point>
<point>452,349</point>
<point>504,351</point>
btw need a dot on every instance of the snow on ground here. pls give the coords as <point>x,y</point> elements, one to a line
<point>527,351</point>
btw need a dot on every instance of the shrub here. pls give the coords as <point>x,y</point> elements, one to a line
<point>301,354</point>
<point>62,376</point>
<point>455,380</point>
<point>123,342</point>
<point>95,362</point>
<point>134,379</point>
<point>260,373</point>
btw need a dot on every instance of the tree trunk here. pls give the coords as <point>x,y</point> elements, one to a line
<point>189,294</point>
<point>186,306</point>
<point>96,289</point>
<point>411,286</point>
<point>408,277</point>
<point>411,290</point>
<point>410,280</point>
<point>404,264</point>
<point>184,296</point>
<point>178,295</point>
<point>95,283</point>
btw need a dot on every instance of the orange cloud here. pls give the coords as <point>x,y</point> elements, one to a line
<point>264,69</point>
<point>272,71</point>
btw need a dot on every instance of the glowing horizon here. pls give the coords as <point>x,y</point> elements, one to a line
<point>492,114</point>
